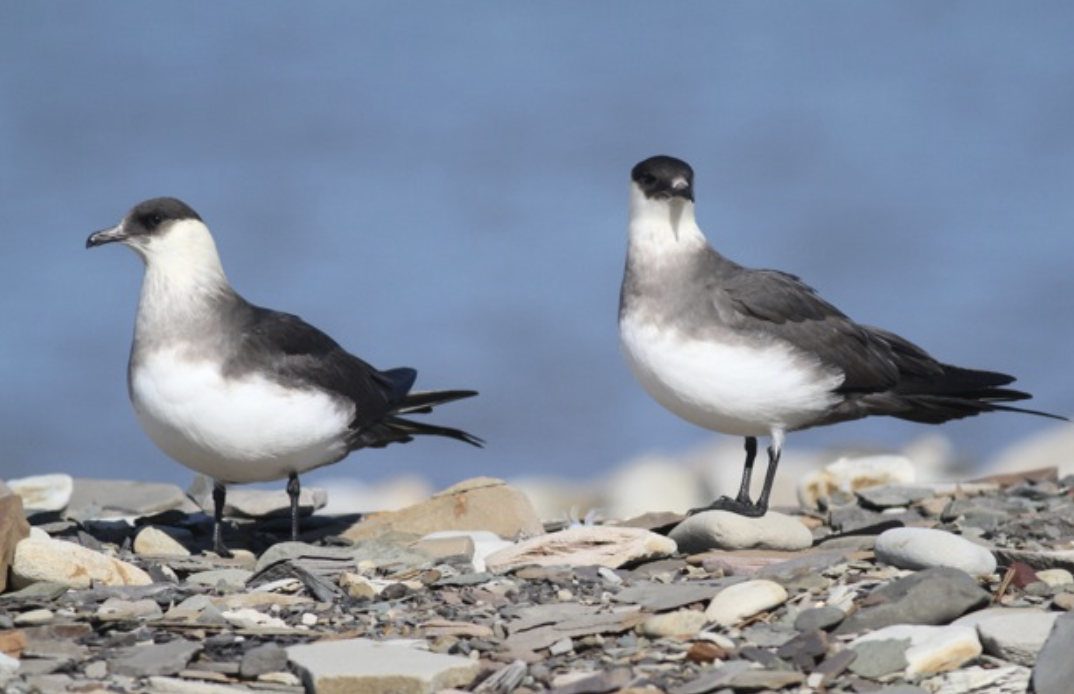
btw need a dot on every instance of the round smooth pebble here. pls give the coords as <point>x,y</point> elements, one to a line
<point>735,603</point>
<point>679,622</point>
<point>1055,577</point>
<point>152,541</point>
<point>725,530</point>
<point>924,548</point>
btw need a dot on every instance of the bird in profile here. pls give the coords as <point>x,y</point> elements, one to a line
<point>758,353</point>
<point>242,393</point>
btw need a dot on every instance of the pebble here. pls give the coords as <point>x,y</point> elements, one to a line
<point>1056,577</point>
<point>725,530</point>
<point>120,610</point>
<point>742,600</point>
<point>923,548</point>
<point>677,623</point>
<point>151,541</point>
<point>56,561</point>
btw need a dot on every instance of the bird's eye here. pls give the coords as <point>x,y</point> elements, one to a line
<point>152,221</point>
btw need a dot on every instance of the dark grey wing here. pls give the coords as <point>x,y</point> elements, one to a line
<point>770,302</point>
<point>300,354</point>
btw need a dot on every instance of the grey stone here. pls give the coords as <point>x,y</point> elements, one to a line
<point>119,610</point>
<point>363,666</point>
<point>95,499</point>
<point>1054,670</point>
<point>932,596</point>
<point>154,659</point>
<point>659,597</point>
<point>893,495</point>
<point>824,617</point>
<point>231,579</point>
<point>878,658</point>
<point>262,659</point>
<point>1015,635</point>
<point>608,681</point>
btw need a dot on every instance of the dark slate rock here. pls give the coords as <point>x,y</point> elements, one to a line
<point>892,495</point>
<point>156,659</point>
<point>1054,670</point>
<point>612,680</point>
<point>819,618</point>
<point>878,658</point>
<point>933,596</point>
<point>262,659</point>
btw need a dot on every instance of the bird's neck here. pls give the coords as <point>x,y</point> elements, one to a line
<point>178,292</point>
<point>662,233</point>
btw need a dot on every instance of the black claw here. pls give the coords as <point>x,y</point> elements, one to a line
<point>726,503</point>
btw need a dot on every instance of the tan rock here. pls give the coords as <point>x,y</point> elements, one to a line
<point>70,564</point>
<point>482,503</point>
<point>583,546</point>
<point>154,542</point>
<point>741,600</point>
<point>851,474</point>
<point>13,529</point>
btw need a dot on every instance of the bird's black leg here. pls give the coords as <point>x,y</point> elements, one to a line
<point>293,490</point>
<point>747,470</point>
<point>741,504</point>
<point>774,453</point>
<point>219,495</point>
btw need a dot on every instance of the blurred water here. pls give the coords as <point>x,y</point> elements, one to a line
<point>444,185</point>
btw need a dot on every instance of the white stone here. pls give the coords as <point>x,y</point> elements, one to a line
<point>1013,679</point>
<point>72,565</point>
<point>8,666</point>
<point>33,617</point>
<point>725,530</point>
<point>741,600</point>
<point>364,666</point>
<point>849,474</point>
<point>1013,634</point>
<point>679,622</point>
<point>249,618</point>
<point>43,492</point>
<point>155,542</point>
<point>1052,447</point>
<point>933,649</point>
<point>600,545</point>
<point>924,548</point>
<point>119,610</point>
<point>1055,577</point>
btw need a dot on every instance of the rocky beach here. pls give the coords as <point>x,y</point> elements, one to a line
<point>874,581</point>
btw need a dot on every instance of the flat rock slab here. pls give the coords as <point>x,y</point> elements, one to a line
<point>153,659</point>
<point>924,548</point>
<point>725,530</point>
<point>482,503</point>
<point>97,499</point>
<point>364,666</point>
<point>1015,635</point>
<point>606,546</point>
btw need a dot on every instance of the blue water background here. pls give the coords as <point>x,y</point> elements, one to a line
<point>444,185</point>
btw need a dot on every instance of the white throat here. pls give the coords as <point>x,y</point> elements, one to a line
<point>661,230</point>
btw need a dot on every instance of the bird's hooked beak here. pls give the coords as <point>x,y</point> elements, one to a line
<point>99,238</point>
<point>681,188</point>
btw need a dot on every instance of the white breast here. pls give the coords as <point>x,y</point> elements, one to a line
<point>248,429</point>
<point>726,386</point>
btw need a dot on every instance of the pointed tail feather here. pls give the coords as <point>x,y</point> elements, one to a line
<point>423,403</point>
